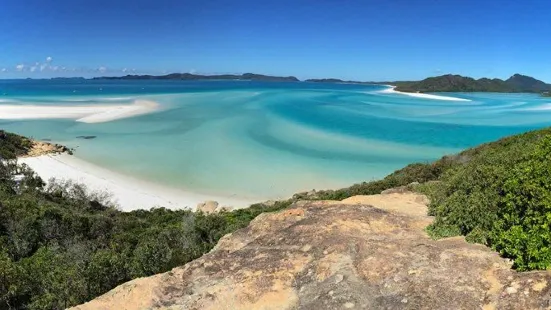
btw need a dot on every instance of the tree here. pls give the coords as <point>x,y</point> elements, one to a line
<point>150,257</point>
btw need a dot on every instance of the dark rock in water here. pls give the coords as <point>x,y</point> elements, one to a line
<point>46,140</point>
<point>87,137</point>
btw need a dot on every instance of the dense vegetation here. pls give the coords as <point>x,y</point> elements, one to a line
<point>61,245</point>
<point>501,197</point>
<point>456,83</point>
<point>12,145</point>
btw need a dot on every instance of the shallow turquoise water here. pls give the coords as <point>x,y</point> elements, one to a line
<point>269,140</point>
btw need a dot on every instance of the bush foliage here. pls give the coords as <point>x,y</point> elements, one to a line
<point>12,145</point>
<point>501,198</point>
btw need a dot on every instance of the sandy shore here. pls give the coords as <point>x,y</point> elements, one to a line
<point>391,90</point>
<point>80,113</point>
<point>129,193</point>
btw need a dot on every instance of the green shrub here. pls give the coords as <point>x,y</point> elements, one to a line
<point>500,197</point>
<point>523,228</point>
<point>12,145</point>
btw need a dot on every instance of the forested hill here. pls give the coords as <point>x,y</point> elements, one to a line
<point>195,77</point>
<point>456,83</point>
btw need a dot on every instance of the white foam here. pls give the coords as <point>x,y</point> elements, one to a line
<point>391,90</point>
<point>80,113</point>
<point>129,193</point>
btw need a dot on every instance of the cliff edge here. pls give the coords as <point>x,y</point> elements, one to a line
<point>365,252</point>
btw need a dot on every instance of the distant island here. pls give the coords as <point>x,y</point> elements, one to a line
<point>517,83</point>
<point>326,80</point>
<point>456,83</point>
<point>196,77</point>
<point>76,78</point>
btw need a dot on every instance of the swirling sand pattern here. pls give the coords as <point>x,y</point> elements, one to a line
<point>269,140</point>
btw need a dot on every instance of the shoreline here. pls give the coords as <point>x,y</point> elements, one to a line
<point>127,192</point>
<point>392,90</point>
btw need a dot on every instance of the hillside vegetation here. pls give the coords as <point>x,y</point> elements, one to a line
<point>61,245</point>
<point>12,145</point>
<point>456,83</point>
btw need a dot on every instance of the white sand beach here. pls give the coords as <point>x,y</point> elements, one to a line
<point>129,193</point>
<point>391,90</point>
<point>81,113</point>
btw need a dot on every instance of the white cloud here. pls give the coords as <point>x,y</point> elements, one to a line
<point>46,67</point>
<point>192,71</point>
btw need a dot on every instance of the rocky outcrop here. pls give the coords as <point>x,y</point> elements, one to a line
<point>43,148</point>
<point>366,252</point>
<point>86,137</point>
<point>212,206</point>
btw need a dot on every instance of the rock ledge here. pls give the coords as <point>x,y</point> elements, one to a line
<point>366,252</point>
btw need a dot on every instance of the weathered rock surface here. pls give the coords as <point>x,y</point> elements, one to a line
<point>366,252</point>
<point>207,206</point>
<point>42,148</point>
<point>212,207</point>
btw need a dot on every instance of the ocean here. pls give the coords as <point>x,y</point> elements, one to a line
<point>262,140</point>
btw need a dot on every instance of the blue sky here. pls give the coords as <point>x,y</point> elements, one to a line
<point>360,40</point>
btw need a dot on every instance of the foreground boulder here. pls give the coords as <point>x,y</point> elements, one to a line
<point>366,252</point>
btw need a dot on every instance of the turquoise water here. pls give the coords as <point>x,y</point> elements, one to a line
<point>268,140</point>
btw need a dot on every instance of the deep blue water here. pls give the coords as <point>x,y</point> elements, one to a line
<point>266,140</point>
